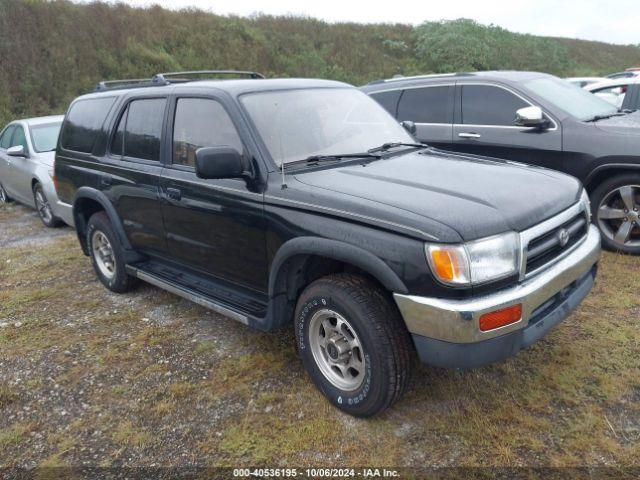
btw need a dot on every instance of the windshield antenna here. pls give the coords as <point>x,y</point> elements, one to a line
<point>284,181</point>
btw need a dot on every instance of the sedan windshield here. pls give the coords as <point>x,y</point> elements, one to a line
<point>296,124</point>
<point>45,137</point>
<point>571,99</point>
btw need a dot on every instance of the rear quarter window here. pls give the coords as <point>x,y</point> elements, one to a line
<point>83,123</point>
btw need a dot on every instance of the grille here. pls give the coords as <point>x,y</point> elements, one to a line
<point>546,247</point>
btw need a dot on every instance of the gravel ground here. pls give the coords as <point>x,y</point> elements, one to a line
<point>91,378</point>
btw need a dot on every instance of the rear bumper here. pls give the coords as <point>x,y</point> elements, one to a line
<point>446,332</point>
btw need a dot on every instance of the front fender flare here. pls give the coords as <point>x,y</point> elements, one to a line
<point>336,250</point>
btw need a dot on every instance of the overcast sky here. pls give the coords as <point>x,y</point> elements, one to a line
<point>608,21</point>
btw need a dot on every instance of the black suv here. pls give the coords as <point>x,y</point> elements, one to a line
<point>537,119</point>
<point>303,202</point>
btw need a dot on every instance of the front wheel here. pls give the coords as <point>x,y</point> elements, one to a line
<point>4,196</point>
<point>44,209</point>
<point>616,211</point>
<point>354,344</point>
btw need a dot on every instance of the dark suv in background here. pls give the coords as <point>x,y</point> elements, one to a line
<point>537,119</point>
<point>303,203</point>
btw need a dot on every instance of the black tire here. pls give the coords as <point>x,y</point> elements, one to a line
<point>45,212</point>
<point>386,344</point>
<point>119,282</point>
<point>4,196</point>
<point>606,192</point>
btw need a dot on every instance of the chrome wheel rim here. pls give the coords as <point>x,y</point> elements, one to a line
<point>43,207</point>
<point>103,254</point>
<point>3,195</point>
<point>337,350</point>
<point>619,216</point>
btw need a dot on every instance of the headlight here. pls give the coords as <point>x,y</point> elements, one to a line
<point>584,200</point>
<point>475,262</point>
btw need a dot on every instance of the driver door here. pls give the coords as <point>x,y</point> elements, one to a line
<point>18,175</point>
<point>485,125</point>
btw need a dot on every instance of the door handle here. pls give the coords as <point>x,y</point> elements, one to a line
<point>106,180</point>
<point>174,193</point>
<point>469,135</point>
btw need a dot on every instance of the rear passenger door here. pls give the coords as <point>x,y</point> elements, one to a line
<point>429,107</point>
<point>485,125</point>
<point>213,226</point>
<point>131,171</point>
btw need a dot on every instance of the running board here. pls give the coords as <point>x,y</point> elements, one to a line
<point>186,293</point>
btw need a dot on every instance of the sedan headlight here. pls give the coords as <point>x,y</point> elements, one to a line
<point>475,262</point>
<point>584,200</point>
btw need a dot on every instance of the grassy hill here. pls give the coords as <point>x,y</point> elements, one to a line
<point>53,51</point>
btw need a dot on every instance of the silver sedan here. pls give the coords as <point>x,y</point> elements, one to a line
<point>27,152</point>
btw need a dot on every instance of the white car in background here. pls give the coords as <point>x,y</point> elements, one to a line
<point>612,90</point>
<point>584,81</point>
<point>27,152</point>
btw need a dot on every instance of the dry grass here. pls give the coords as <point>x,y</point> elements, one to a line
<point>144,378</point>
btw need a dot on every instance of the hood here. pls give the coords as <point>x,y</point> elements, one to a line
<point>475,196</point>
<point>623,125</point>
<point>46,158</point>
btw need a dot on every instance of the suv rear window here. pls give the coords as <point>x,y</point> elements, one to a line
<point>83,122</point>
<point>139,130</point>
<point>427,105</point>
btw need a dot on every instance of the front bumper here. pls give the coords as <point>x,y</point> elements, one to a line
<point>446,332</point>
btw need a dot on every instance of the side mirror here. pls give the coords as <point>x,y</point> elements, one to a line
<point>16,151</point>
<point>219,162</point>
<point>409,126</point>
<point>531,117</point>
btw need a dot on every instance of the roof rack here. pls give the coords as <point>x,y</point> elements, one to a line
<point>171,77</point>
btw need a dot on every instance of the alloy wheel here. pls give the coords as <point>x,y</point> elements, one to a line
<point>103,254</point>
<point>3,195</point>
<point>43,207</point>
<point>337,350</point>
<point>619,216</point>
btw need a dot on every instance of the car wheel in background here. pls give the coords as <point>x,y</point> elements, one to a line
<point>615,204</point>
<point>44,209</point>
<point>354,344</point>
<point>107,255</point>
<point>4,197</point>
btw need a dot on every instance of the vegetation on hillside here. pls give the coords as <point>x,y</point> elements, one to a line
<point>53,51</point>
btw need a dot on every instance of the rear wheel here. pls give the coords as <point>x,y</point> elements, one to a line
<point>107,254</point>
<point>616,210</point>
<point>354,344</point>
<point>44,209</point>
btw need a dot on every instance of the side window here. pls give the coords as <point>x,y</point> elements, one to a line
<point>139,130</point>
<point>83,123</point>
<point>201,123</point>
<point>427,105</point>
<point>389,100</point>
<point>19,138</point>
<point>5,140</point>
<point>487,105</point>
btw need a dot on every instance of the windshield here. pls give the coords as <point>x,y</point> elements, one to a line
<point>571,99</point>
<point>296,124</point>
<point>45,137</point>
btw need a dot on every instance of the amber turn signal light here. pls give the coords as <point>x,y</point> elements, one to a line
<point>500,318</point>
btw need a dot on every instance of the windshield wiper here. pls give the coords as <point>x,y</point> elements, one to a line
<point>315,159</point>
<point>619,113</point>
<point>388,146</point>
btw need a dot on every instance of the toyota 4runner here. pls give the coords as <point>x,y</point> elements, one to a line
<point>303,202</point>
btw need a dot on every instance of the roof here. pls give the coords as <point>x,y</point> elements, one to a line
<point>497,75</point>
<point>613,82</point>
<point>41,120</point>
<point>234,87</point>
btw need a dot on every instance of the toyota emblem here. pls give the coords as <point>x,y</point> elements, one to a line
<point>563,237</point>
